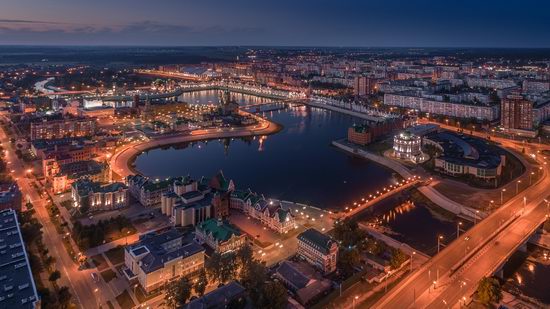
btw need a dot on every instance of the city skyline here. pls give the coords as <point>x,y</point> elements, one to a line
<point>274,154</point>
<point>214,23</point>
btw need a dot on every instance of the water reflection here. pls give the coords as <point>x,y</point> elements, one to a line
<point>527,273</point>
<point>299,164</point>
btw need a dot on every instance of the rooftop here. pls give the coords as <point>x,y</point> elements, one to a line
<point>220,230</point>
<point>219,298</point>
<point>163,247</point>
<point>467,150</point>
<point>317,240</point>
<point>17,285</point>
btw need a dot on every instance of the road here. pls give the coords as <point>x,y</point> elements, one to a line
<point>79,282</point>
<point>418,289</point>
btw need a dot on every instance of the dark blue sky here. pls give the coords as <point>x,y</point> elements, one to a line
<point>443,23</point>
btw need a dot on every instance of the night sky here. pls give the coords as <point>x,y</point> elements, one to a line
<point>388,23</point>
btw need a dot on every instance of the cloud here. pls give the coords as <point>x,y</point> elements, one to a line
<point>141,32</point>
<point>24,21</point>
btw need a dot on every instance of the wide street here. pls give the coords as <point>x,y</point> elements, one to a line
<point>79,281</point>
<point>418,289</point>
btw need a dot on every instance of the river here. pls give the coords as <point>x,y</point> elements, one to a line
<point>297,164</point>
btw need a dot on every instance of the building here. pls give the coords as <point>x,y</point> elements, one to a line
<point>535,86</point>
<point>189,202</point>
<point>364,134</point>
<point>360,135</point>
<point>302,280</point>
<point>94,196</point>
<point>18,288</point>
<point>79,148</point>
<point>223,186</point>
<point>228,106</point>
<point>52,160</point>
<point>148,192</point>
<point>364,85</point>
<point>220,235</point>
<point>318,249</point>
<point>10,196</point>
<point>220,298</point>
<point>516,113</point>
<point>54,128</point>
<point>270,214</point>
<point>68,173</point>
<point>410,100</point>
<point>157,259</point>
<point>466,155</point>
<point>407,146</point>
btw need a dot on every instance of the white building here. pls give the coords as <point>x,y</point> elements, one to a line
<point>407,146</point>
<point>459,110</point>
<point>160,258</point>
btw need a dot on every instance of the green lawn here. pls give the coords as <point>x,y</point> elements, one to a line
<point>116,255</point>
<point>108,275</point>
<point>125,301</point>
<point>100,262</point>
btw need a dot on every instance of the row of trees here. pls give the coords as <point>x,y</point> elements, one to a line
<point>223,268</point>
<point>40,260</point>
<point>354,240</point>
<point>89,236</point>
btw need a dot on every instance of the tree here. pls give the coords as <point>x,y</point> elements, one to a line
<point>177,293</point>
<point>213,266</point>
<point>202,282</point>
<point>375,247</point>
<point>222,268</point>
<point>64,297</point>
<point>348,233</point>
<point>397,258</point>
<point>47,299</point>
<point>31,231</point>
<point>54,276</point>
<point>488,291</point>
<point>253,278</point>
<point>348,259</point>
<point>274,296</point>
<point>245,255</point>
<point>229,267</point>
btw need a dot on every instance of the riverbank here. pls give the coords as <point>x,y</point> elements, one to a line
<point>343,111</point>
<point>122,161</point>
<point>428,191</point>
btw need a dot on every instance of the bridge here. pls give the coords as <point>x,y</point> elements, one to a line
<point>142,96</point>
<point>450,278</point>
<point>255,90</point>
<point>373,199</point>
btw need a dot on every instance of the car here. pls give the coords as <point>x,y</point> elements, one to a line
<point>95,277</point>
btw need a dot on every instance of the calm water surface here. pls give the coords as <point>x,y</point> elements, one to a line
<point>297,164</point>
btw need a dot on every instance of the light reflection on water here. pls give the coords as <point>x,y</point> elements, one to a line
<point>299,164</point>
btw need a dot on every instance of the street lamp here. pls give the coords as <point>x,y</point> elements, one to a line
<point>502,196</point>
<point>439,238</point>
<point>354,300</point>
<point>413,253</point>
<point>517,186</point>
<point>458,229</point>
<point>530,177</point>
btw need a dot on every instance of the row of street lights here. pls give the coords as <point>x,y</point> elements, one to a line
<point>380,193</point>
